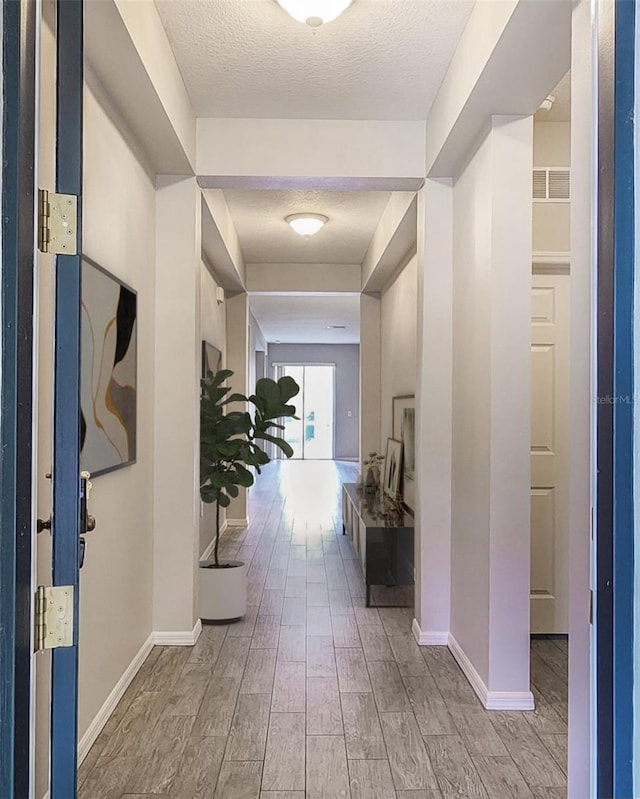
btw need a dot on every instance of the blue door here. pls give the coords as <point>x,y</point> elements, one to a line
<point>16,336</point>
<point>66,461</point>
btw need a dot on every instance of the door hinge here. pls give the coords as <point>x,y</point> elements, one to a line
<point>57,223</point>
<point>54,617</point>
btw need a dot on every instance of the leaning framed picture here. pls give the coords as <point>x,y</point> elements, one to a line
<point>392,467</point>
<point>108,371</point>
<point>404,430</point>
<point>211,359</point>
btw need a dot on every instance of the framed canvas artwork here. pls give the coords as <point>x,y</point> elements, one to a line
<point>404,426</point>
<point>211,359</point>
<point>392,467</point>
<point>108,371</point>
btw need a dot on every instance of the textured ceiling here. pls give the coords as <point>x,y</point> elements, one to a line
<point>382,59</point>
<point>295,319</point>
<point>258,217</point>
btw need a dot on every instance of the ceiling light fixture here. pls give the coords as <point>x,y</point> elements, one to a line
<point>547,103</point>
<point>306,224</point>
<point>315,12</point>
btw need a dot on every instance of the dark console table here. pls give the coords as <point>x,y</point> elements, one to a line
<point>383,542</point>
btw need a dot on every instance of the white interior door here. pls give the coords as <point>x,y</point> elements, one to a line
<point>549,450</point>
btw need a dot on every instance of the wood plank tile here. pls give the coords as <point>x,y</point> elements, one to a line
<point>232,658</point>
<point>166,670</point>
<point>246,625</point>
<point>457,776</point>
<point>340,602</point>
<point>258,674</point>
<point>363,734</point>
<point>410,765</point>
<point>108,778</point>
<point>477,731</point>
<point>451,682</point>
<point>319,621</point>
<point>289,688</point>
<point>549,793</point>
<point>282,795</point>
<point>276,578</point>
<point>186,697</point>
<point>375,643</point>
<point>248,734</point>
<point>352,671</point>
<point>160,754</point>
<point>284,763</point>
<point>324,714</point>
<point>388,688</point>
<point>396,621</point>
<point>293,644</point>
<point>272,601</point>
<point>546,718</point>
<point>321,661</point>
<point>428,706</point>
<point>531,756</point>
<point>430,794</point>
<point>327,773</point>
<point>140,719</point>
<point>557,746</point>
<point>199,768</point>
<point>366,615</point>
<point>209,643</point>
<point>316,575</point>
<point>407,654</point>
<point>217,708</point>
<point>371,779</point>
<point>266,633</point>
<point>239,780</point>
<point>317,594</point>
<point>294,612</point>
<point>296,587</point>
<point>345,631</point>
<point>501,778</point>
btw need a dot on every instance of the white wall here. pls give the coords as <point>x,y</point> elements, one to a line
<point>346,357</point>
<point>491,409</point>
<point>398,312</point>
<point>212,329</point>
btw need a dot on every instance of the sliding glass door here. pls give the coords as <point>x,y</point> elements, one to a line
<point>312,434</point>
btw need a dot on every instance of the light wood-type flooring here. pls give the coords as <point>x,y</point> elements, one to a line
<point>314,695</point>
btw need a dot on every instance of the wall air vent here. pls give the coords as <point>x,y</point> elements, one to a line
<point>336,327</point>
<point>551,184</point>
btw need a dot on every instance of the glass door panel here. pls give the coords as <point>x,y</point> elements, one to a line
<point>311,435</point>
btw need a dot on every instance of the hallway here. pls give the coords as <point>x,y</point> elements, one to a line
<point>313,694</point>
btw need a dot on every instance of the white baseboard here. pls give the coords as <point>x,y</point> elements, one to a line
<point>178,637</point>
<point>429,638</point>
<point>209,550</point>
<point>101,718</point>
<point>492,700</point>
<point>242,523</point>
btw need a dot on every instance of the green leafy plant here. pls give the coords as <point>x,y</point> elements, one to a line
<point>231,442</point>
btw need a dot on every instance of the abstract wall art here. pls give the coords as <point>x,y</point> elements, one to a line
<point>108,371</point>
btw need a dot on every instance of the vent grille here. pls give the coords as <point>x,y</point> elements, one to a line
<point>551,184</point>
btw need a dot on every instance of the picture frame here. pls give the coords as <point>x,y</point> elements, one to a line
<point>392,468</point>
<point>211,358</point>
<point>108,371</point>
<point>404,411</point>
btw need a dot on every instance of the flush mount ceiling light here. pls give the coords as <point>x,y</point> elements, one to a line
<point>315,12</point>
<point>547,103</point>
<point>306,224</point>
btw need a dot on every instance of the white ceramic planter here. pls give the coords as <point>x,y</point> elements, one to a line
<point>223,592</point>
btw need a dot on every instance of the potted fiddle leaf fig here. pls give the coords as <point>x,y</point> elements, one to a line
<point>230,443</point>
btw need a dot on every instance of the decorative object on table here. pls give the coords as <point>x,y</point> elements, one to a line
<point>372,478</point>
<point>108,371</point>
<point>229,443</point>
<point>211,359</point>
<point>392,468</point>
<point>404,425</point>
